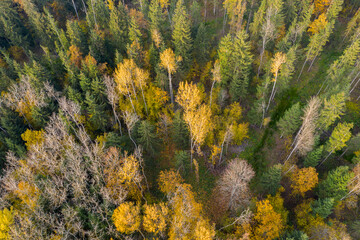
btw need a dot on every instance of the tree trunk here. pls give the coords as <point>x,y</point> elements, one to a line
<point>312,62</point>
<point>272,92</point>
<point>75,9</point>
<point>212,86</point>
<point>170,87</point>
<point>92,5</point>
<point>261,56</point>
<point>142,92</point>
<point>302,69</point>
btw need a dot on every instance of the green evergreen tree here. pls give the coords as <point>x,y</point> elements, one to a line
<point>313,158</point>
<point>332,110</point>
<point>77,36</point>
<point>147,136</point>
<point>270,180</point>
<point>155,15</point>
<point>294,235</point>
<point>235,62</point>
<point>291,121</point>
<point>323,207</point>
<point>335,184</point>
<point>180,132</point>
<point>181,34</point>
<point>118,27</point>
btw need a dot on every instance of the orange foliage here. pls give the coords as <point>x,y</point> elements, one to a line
<point>303,180</point>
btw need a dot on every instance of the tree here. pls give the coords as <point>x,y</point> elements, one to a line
<point>204,230</point>
<point>148,137</point>
<point>155,218</point>
<point>270,179</point>
<point>291,121</point>
<point>118,26</point>
<point>235,60</point>
<point>305,139</point>
<point>279,59</point>
<point>338,138</point>
<point>268,223</point>
<point>126,217</point>
<point>181,34</point>
<point>233,186</point>
<point>323,207</point>
<point>6,220</point>
<point>303,180</point>
<point>321,6</point>
<point>313,158</point>
<point>235,10</point>
<point>32,137</point>
<point>335,184</point>
<point>169,62</point>
<point>333,109</point>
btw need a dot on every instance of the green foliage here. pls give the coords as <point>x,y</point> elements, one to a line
<point>180,132</point>
<point>294,235</point>
<point>147,136</point>
<point>235,61</point>
<point>339,137</point>
<point>313,158</point>
<point>335,184</point>
<point>333,109</point>
<point>181,34</point>
<point>270,180</point>
<point>323,207</point>
<point>291,121</point>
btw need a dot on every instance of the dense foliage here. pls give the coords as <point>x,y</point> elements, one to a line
<point>179,119</point>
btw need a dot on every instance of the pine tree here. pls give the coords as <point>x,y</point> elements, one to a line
<point>323,207</point>
<point>291,121</point>
<point>335,184</point>
<point>181,34</point>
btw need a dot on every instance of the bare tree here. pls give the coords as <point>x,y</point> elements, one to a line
<point>233,185</point>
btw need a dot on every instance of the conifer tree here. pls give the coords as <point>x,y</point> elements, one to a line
<point>313,158</point>
<point>338,138</point>
<point>147,136</point>
<point>335,184</point>
<point>270,179</point>
<point>291,120</point>
<point>181,35</point>
<point>332,110</point>
<point>118,26</point>
<point>323,207</point>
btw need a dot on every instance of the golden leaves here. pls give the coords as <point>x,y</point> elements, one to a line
<point>318,24</point>
<point>303,180</point>
<point>126,217</point>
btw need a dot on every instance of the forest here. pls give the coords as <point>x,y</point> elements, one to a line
<point>180,119</point>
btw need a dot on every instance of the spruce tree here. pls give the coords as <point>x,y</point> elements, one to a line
<point>335,184</point>
<point>147,136</point>
<point>313,158</point>
<point>323,207</point>
<point>118,27</point>
<point>181,34</point>
<point>291,121</point>
<point>270,180</point>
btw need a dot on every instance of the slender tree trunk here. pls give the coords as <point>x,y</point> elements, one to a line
<point>248,22</point>
<point>85,9</point>
<point>261,56</point>
<point>291,153</point>
<point>224,21</point>
<point>117,120</point>
<point>3,129</point>
<point>325,158</point>
<point>212,86</point>
<point>355,86</point>
<point>170,87</point>
<point>205,6</point>
<point>129,96</point>
<point>302,69</point>
<point>75,9</point>
<point>142,92</point>
<point>222,147</point>
<point>92,6</point>
<point>312,62</point>
<point>272,92</point>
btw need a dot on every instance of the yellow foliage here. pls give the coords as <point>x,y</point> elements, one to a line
<point>278,204</point>
<point>303,180</point>
<point>321,6</point>
<point>168,60</point>
<point>111,5</point>
<point>304,217</point>
<point>169,180</point>
<point>268,222</point>
<point>28,194</point>
<point>32,137</point>
<point>156,98</point>
<point>215,151</point>
<point>189,96</point>
<point>318,24</point>
<point>278,60</point>
<point>203,230</point>
<point>155,217</point>
<point>126,217</point>
<point>75,55</point>
<point>240,132</point>
<point>6,220</point>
